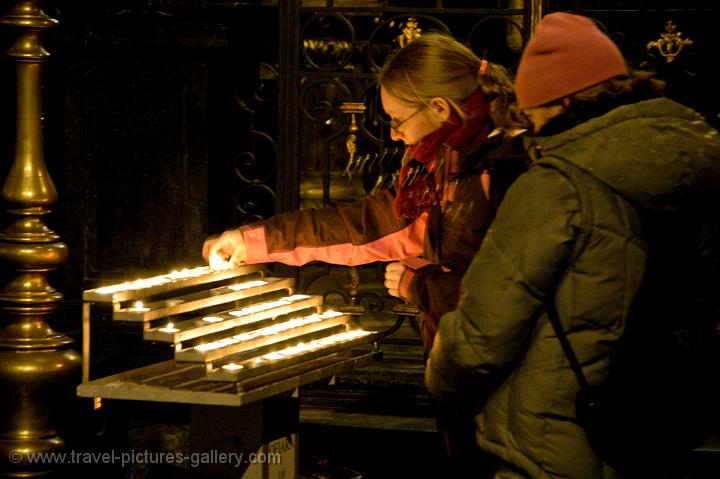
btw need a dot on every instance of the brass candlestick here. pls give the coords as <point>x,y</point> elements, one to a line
<point>35,360</point>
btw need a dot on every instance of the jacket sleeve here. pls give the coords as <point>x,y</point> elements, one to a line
<point>518,265</point>
<point>359,233</point>
<point>435,291</point>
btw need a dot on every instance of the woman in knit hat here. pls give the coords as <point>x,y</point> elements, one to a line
<point>610,152</point>
<point>457,117</point>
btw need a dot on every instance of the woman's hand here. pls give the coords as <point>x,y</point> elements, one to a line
<point>229,246</point>
<point>393,275</point>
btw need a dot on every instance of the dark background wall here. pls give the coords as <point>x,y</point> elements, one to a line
<point>145,99</point>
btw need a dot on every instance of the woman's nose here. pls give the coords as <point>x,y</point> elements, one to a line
<point>395,135</point>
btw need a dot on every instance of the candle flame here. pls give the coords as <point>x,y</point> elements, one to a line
<point>218,263</point>
<point>303,347</point>
<point>213,319</point>
<point>246,285</point>
<point>255,308</point>
<point>232,366</point>
<point>169,328</point>
<point>154,280</point>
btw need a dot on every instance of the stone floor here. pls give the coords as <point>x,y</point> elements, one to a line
<point>376,421</point>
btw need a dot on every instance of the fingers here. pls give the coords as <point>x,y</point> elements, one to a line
<point>218,263</point>
<point>392,283</point>
<point>394,271</point>
<point>395,268</point>
<point>228,247</point>
<point>392,286</point>
<point>215,246</point>
<point>207,246</point>
<point>239,255</point>
<point>393,274</point>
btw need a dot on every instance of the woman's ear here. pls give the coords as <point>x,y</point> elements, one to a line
<point>440,109</point>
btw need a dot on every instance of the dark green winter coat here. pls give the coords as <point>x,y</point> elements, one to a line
<point>498,350</point>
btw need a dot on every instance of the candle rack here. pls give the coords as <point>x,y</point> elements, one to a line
<point>237,336</point>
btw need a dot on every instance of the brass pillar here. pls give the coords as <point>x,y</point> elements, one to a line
<point>536,13</point>
<point>34,359</point>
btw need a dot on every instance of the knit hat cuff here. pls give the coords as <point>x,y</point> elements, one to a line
<point>566,54</point>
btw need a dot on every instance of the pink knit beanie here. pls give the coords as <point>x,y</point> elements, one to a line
<point>566,54</point>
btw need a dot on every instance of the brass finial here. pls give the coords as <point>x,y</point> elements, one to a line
<point>670,44</point>
<point>409,32</point>
<point>352,108</point>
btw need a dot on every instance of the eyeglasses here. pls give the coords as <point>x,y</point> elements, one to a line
<point>396,124</point>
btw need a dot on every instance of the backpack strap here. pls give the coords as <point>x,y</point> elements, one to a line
<point>565,343</point>
<point>581,180</point>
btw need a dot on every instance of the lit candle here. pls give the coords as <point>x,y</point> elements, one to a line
<point>154,280</point>
<point>232,366</point>
<point>259,307</point>
<point>273,356</point>
<point>139,307</point>
<point>212,319</point>
<point>208,346</point>
<point>246,285</point>
<point>169,328</point>
<point>218,263</point>
<point>296,297</point>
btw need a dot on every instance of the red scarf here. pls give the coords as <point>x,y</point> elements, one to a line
<point>419,184</point>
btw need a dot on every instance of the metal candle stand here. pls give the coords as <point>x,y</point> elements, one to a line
<point>240,338</point>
